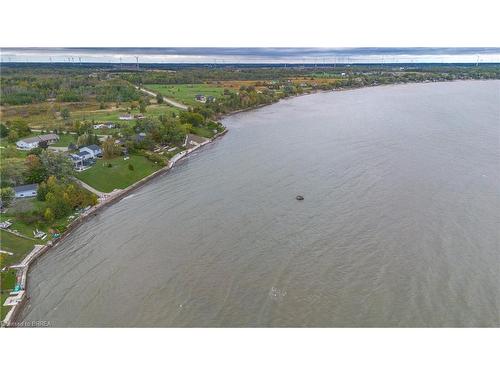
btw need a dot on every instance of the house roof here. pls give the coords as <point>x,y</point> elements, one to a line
<point>22,188</point>
<point>83,153</point>
<point>93,147</point>
<point>39,138</point>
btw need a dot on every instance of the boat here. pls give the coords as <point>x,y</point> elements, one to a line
<point>299,197</point>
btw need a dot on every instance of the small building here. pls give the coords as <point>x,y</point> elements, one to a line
<point>93,150</point>
<point>139,137</point>
<point>25,191</point>
<point>127,117</point>
<point>33,142</point>
<point>108,125</point>
<point>200,98</point>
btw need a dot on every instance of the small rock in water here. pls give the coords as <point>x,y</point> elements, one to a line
<point>299,197</point>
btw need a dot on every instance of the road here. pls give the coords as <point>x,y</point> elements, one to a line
<point>166,100</point>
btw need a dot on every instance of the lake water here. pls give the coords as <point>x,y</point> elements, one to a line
<point>399,225</point>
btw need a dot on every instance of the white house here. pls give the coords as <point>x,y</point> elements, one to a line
<point>94,150</point>
<point>33,142</point>
<point>25,191</point>
<point>85,156</point>
<point>108,125</point>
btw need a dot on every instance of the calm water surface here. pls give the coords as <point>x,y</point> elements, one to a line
<point>399,226</point>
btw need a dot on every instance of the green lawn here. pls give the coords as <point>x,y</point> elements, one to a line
<point>203,132</point>
<point>119,176</point>
<point>185,93</point>
<point>4,310</point>
<point>7,283</point>
<point>18,245</point>
<point>65,140</point>
<point>26,205</point>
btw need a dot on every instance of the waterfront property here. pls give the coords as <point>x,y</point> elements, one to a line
<point>34,142</point>
<point>107,175</point>
<point>93,150</point>
<point>25,191</point>
<point>85,157</point>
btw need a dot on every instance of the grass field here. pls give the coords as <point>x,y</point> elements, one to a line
<point>65,140</point>
<point>113,115</point>
<point>185,93</point>
<point>4,310</point>
<point>18,245</point>
<point>41,115</point>
<point>7,283</point>
<point>119,176</point>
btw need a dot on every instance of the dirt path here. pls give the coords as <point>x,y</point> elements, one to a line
<point>166,100</point>
<point>100,194</point>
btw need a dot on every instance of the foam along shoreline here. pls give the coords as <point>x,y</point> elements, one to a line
<point>21,296</point>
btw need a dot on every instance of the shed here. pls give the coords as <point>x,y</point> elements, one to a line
<point>25,191</point>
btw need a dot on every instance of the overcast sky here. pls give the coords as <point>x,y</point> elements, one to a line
<point>252,55</point>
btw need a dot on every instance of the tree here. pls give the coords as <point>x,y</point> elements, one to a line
<point>7,195</point>
<point>49,215</point>
<point>13,136</point>
<point>87,139</point>
<point>65,114</point>
<point>36,171</point>
<point>42,191</point>
<point>20,127</point>
<point>56,164</point>
<point>192,118</point>
<point>159,99</point>
<point>130,167</point>
<point>57,204</point>
<point>110,149</point>
<point>142,106</point>
<point>4,131</point>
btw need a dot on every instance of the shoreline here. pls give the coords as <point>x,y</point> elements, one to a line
<point>23,267</point>
<point>340,89</point>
